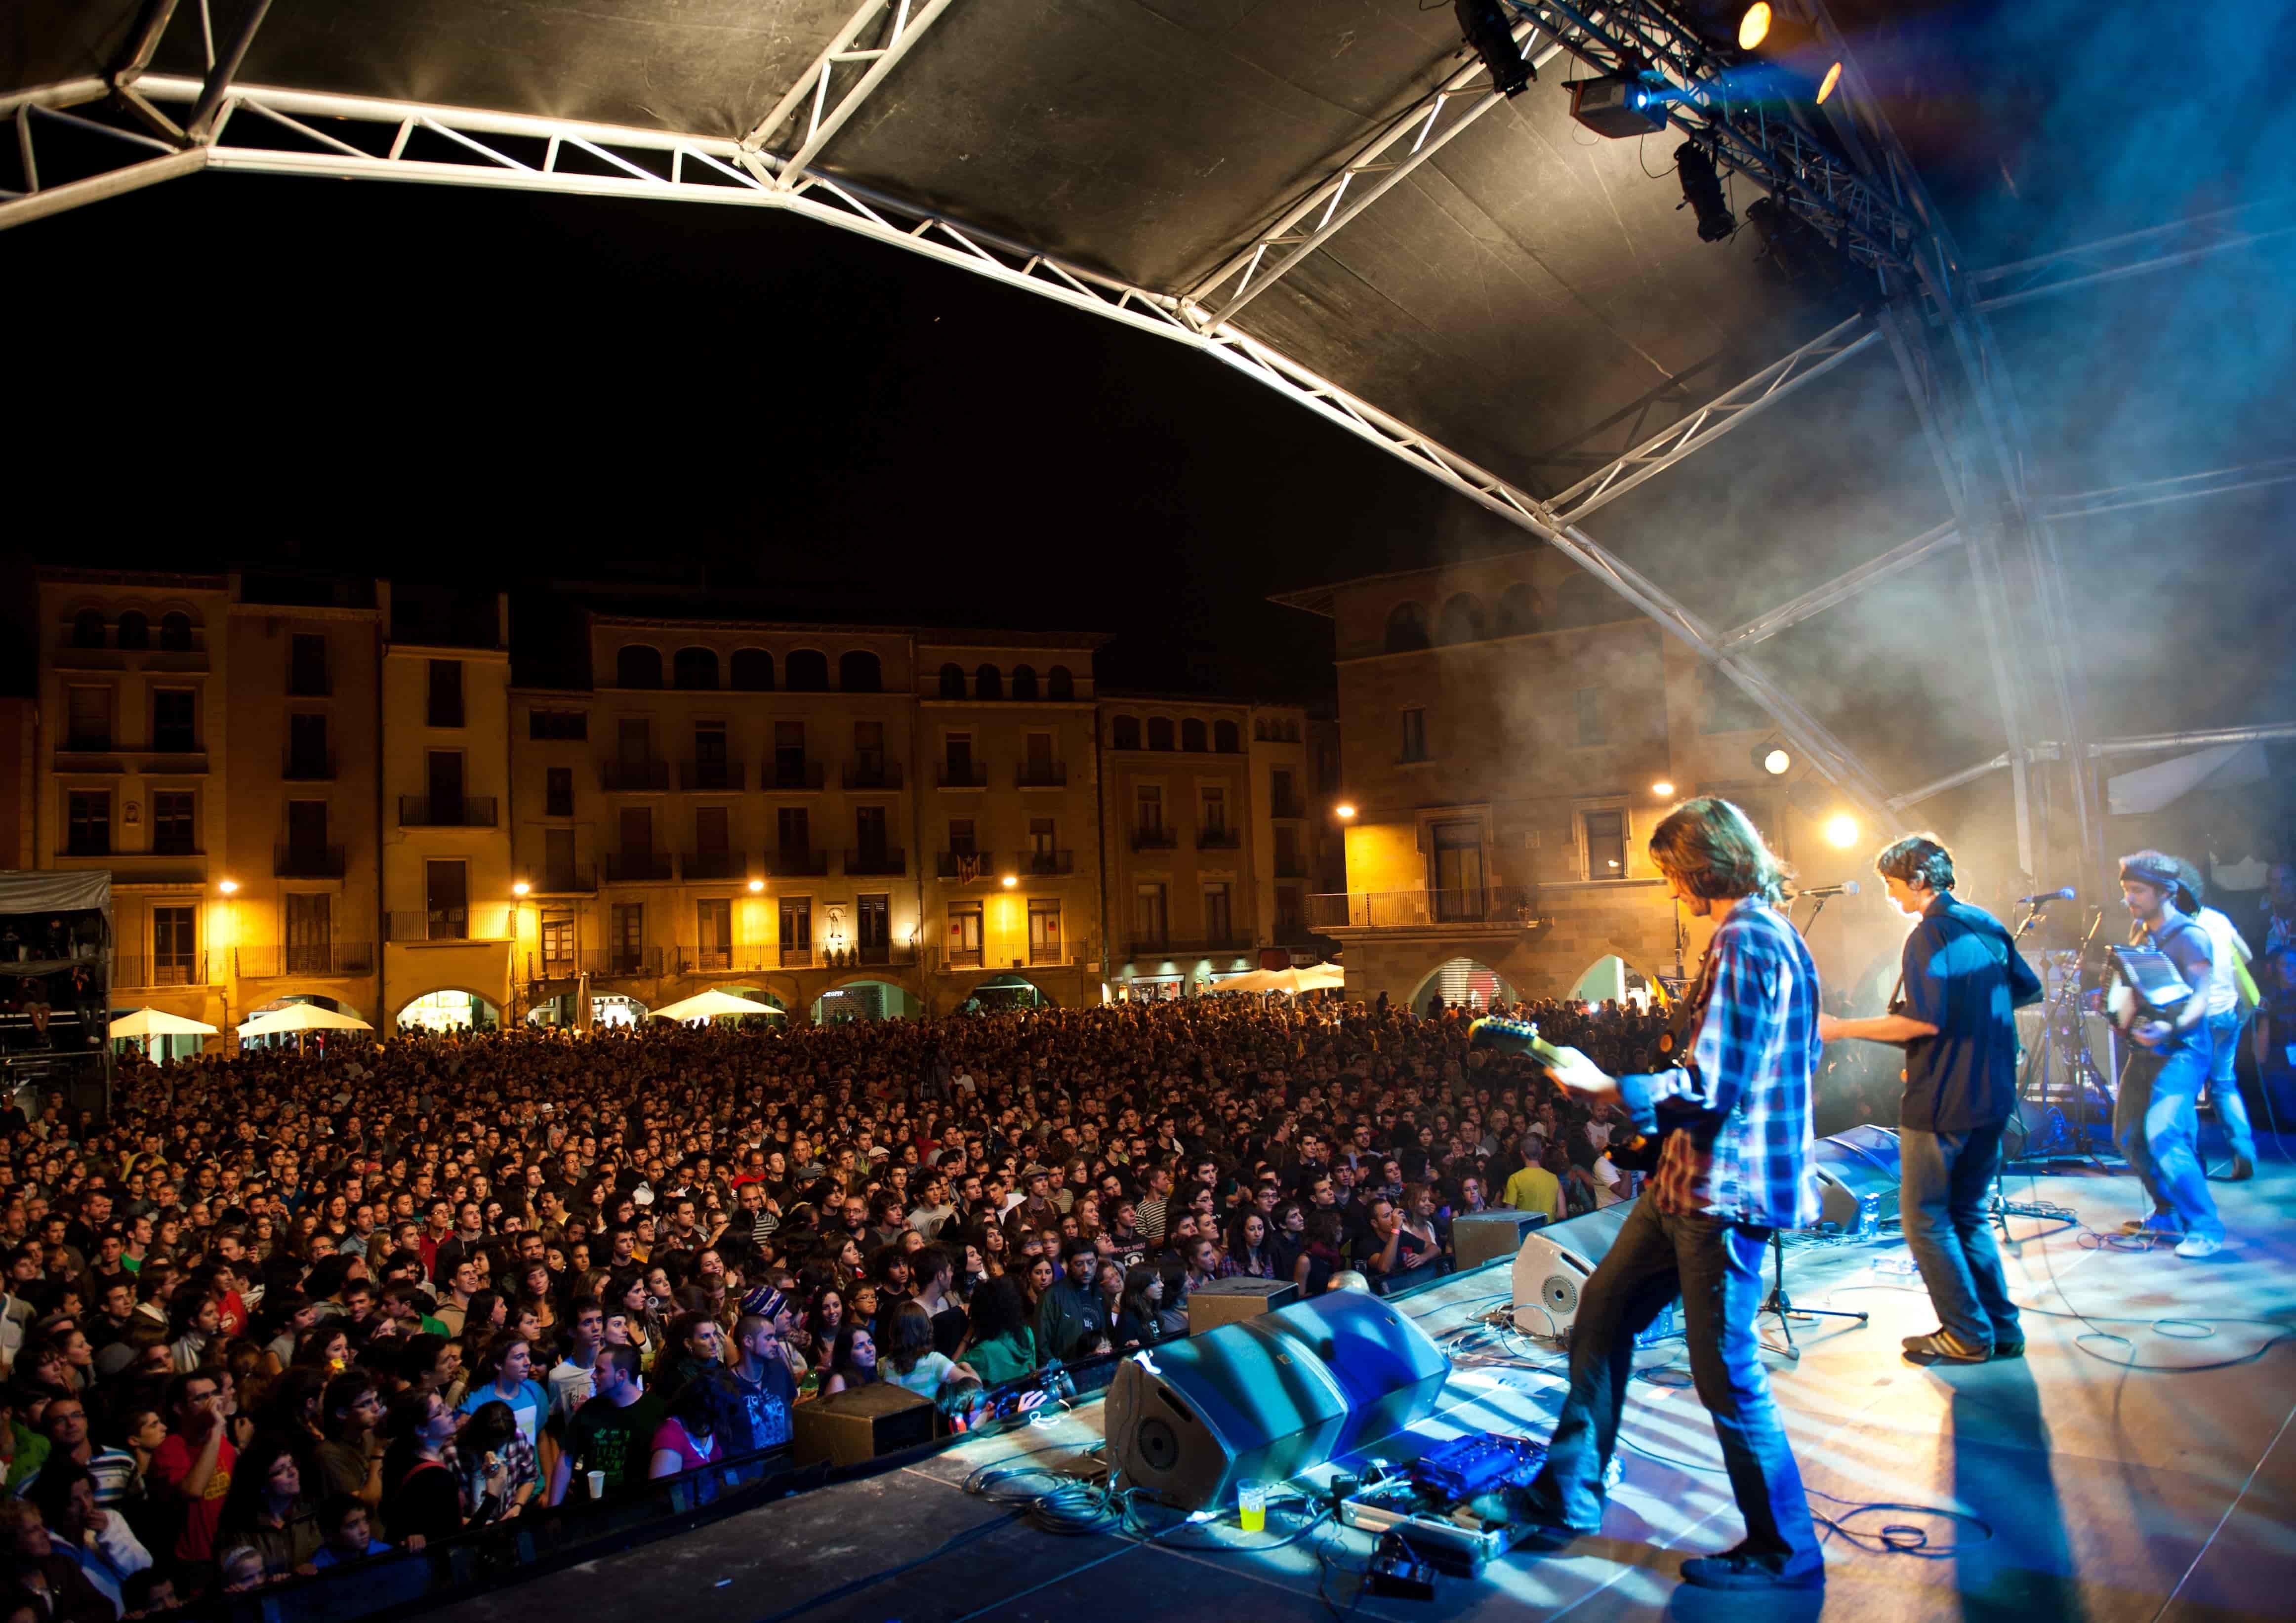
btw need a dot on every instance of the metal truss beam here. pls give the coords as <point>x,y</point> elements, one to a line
<point>2136,253</point>
<point>1843,587</point>
<point>1714,419</point>
<point>905,22</point>
<point>2105,748</point>
<point>1407,141</point>
<point>2187,488</point>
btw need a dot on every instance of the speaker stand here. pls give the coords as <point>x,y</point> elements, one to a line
<point>1781,1304</point>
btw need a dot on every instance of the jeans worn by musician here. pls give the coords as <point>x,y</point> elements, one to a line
<point>2156,1122</point>
<point>1735,1167</point>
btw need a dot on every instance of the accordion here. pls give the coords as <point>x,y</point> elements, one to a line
<point>2142,984</point>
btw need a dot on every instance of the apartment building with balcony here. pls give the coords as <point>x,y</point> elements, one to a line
<point>1008,801</point>
<point>451,923</point>
<point>1194,850</point>
<point>1510,735</point>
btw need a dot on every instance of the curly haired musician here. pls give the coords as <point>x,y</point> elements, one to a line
<point>2156,1120</point>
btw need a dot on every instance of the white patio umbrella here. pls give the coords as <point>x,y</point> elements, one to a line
<point>302,1017</point>
<point>158,1022</point>
<point>711,1004</point>
<point>1314,979</point>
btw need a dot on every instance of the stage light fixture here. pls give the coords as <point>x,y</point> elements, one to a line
<point>1484,23</point>
<point>1773,760</point>
<point>1841,830</point>
<point>1807,69</point>
<point>1702,189</point>
<point>1621,106</point>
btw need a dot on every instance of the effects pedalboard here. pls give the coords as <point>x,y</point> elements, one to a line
<point>1452,1509</point>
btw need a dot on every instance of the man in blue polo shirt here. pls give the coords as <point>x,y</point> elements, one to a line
<point>1961,982</point>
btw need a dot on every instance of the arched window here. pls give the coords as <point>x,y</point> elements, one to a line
<point>1124,733</point>
<point>694,667</point>
<point>1024,682</point>
<point>1160,731</point>
<point>1060,687</point>
<point>135,630</point>
<point>1226,738</point>
<point>1406,628</point>
<point>807,670</point>
<point>952,681</point>
<point>1521,610</point>
<point>989,683</point>
<point>1192,734</point>
<point>88,628</point>
<point>1463,618</point>
<point>637,666</point>
<point>859,672</point>
<point>753,670</point>
<point>176,633</point>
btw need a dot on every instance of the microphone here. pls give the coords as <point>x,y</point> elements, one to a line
<point>1847,887</point>
<point>2046,898</point>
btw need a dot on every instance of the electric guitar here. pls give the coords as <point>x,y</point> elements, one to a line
<point>1638,1153</point>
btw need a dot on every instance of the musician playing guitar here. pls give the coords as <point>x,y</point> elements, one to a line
<point>1735,1167</point>
<point>1960,982</point>
<point>2154,1120</point>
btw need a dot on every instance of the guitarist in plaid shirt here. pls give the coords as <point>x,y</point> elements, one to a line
<point>1734,1165</point>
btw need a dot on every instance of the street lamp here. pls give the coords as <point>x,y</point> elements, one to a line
<point>757,886</point>
<point>229,887</point>
<point>1012,879</point>
<point>1344,810</point>
<point>1664,789</point>
<point>520,887</point>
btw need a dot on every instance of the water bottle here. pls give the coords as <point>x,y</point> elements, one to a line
<point>1869,1217</point>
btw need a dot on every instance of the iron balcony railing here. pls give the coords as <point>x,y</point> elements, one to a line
<point>311,958</point>
<point>620,963</point>
<point>1048,862</point>
<point>637,867</point>
<point>567,882</point>
<point>1047,775</point>
<point>960,775</point>
<point>965,867</point>
<point>447,811</point>
<point>890,860</point>
<point>795,862</point>
<point>712,777</point>
<point>1488,905</point>
<point>714,864</point>
<point>307,766</point>
<point>880,774</point>
<point>291,861</point>
<point>630,777</point>
<point>790,775</point>
<point>1219,839</point>
<point>1155,840</point>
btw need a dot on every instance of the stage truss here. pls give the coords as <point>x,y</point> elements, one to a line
<point>163,126</point>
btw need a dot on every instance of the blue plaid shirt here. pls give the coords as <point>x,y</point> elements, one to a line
<point>1742,1147</point>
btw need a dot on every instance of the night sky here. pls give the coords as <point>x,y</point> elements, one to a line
<point>490,389</point>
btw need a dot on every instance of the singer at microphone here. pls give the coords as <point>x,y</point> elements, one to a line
<point>1961,979</point>
<point>2046,898</point>
<point>1847,887</point>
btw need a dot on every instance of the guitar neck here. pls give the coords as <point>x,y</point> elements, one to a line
<point>1511,1035</point>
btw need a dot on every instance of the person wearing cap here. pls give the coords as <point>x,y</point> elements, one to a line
<point>2156,1119</point>
<point>2231,994</point>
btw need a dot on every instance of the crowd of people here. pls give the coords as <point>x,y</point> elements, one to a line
<point>278,1312</point>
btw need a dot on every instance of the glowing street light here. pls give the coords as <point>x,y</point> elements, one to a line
<point>229,887</point>
<point>519,888</point>
<point>756,885</point>
<point>1344,810</point>
<point>1841,830</point>
<point>1012,879</point>
<point>1662,789</point>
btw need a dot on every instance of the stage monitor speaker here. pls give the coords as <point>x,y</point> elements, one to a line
<point>852,1427</point>
<point>1269,1396</point>
<point>1853,1168</point>
<point>1225,1301</point>
<point>1553,1265</point>
<point>1478,1237</point>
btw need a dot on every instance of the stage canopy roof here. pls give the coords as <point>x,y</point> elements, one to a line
<point>1331,197</point>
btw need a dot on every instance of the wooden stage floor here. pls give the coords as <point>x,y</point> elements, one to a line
<point>2112,1494</point>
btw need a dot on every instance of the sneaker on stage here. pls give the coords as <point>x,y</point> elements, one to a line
<point>2193,1248</point>
<point>1943,1347</point>
<point>1739,1569</point>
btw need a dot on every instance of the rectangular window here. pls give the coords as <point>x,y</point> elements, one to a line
<point>1044,933</point>
<point>1414,735</point>
<point>709,748</point>
<point>558,791</point>
<point>173,730</point>
<point>788,747</point>
<point>1149,924</point>
<point>1211,809</point>
<point>1039,766</point>
<point>1459,871</point>
<point>445,887</point>
<point>960,836</point>
<point>1219,922</point>
<point>557,724</point>
<point>1281,802</point>
<point>636,832</point>
<point>964,936</point>
<point>1148,810</point>
<point>1288,864</point>
<point>307,834</point>
<point>627,951</point>
<point>1290,917</point>
<point>310,933</point>
<point>306,748</point>
<point>446,708</point>
<point>710,831</point>
<point>172,833</point>
<point>174,947</point>
<point>869,832</point>
<point>87,718</point>
<point>958,747</point>
<point>634,740</point>
<point>557,944</point>
<point>869,750</point>
<point>795,830</point>
<point>797,929</point>
<point>307,665</point>
<point>1043,837</point>
<point>558,859</point>
<point>1590,717</point>
<point>1605,834</point>
<point>713,932</point>
<point>442,780</point>
<point>873,919</point>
